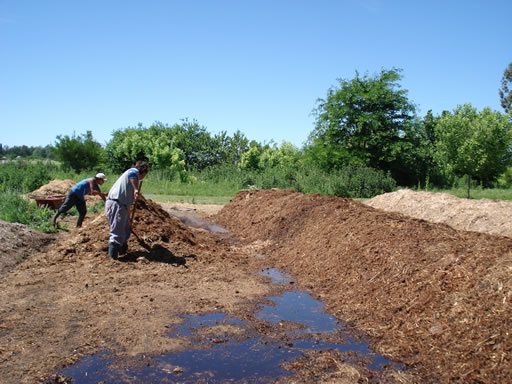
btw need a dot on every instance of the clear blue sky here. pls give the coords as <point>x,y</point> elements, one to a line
<point>255,66</point>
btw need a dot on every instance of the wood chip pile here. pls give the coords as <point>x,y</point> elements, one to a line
<point>430,296</point>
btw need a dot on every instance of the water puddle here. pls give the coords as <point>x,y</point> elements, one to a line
<point>226,349</point>
<point>277,276</point>
<point>196,222</point>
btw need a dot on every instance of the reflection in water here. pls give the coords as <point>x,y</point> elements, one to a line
<point>195,222</point>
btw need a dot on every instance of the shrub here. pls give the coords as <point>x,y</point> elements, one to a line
<point>23,177</point>
<point>15,209</point>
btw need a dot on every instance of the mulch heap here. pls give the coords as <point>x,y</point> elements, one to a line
<point>430,296</point>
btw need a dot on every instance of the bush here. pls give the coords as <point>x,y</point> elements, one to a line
<point>14,209</point>
<point>350,181</point>
<point>227,180</point>
<point>78,152</point>
<point>23,177</point>
<point>362,182</point>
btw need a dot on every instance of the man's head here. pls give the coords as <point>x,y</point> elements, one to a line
<point>143,168</point>
<point>100,178</point>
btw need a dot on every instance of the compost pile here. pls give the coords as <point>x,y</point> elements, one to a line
<point>431,296</point>
<point>487,216</point>
<point>156,236</point>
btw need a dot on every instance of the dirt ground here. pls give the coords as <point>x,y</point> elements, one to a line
<point>18,243</point>
<point>432,297</point>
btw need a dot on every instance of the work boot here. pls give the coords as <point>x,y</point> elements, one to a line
<point>113,251</point>
<point>123,249</point>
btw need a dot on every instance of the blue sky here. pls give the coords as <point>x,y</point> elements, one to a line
<point>255,66</point>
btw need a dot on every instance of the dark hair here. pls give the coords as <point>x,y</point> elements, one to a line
<point>142,166</point>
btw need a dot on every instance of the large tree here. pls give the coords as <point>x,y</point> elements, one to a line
<point>472,144</point>
<point>78,152</point>
<point>362,121</point>
<point>181,146</point>
<point>154,145</point>
<point>506,89</point>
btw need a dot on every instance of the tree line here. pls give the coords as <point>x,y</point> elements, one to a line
<point>366,122</point>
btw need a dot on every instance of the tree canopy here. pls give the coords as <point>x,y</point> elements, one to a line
<point>154,145</point>
<point>179,147</point>
<point>473,144</point>
<point>362,121</point>
<point>506,89</point>
<point>78,152</point>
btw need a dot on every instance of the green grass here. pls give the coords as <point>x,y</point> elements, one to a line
<point>198,188</point>
<point>15,209</point>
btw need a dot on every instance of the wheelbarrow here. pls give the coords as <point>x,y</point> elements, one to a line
<point>53,202</point>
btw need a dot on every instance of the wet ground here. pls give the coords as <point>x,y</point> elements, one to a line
<point>224,349</point>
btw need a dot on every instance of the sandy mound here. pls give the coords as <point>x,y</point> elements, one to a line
<point>487,216</point>
<point>433,297</point>
<point>18,243</point>
<point>54,187</point>
<point>61,187</point>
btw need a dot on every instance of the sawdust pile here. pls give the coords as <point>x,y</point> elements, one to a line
<point>19,242</point>
<point>487,216</point>
<point>429,295</point>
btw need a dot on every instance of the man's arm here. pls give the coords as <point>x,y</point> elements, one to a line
<point>135,185</point>
<point>95,189</point>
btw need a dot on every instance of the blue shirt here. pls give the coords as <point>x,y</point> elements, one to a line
<point>83,188</point>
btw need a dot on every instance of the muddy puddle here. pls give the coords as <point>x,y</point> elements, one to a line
<point>197,222</point>
<point>222,348</point>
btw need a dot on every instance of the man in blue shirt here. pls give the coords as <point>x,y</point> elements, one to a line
<point>123,193</point>
<point>76,197</point>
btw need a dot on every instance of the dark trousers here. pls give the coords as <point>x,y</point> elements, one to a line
<point>71,201</point>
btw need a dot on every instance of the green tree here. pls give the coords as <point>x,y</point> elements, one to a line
<point>286,155</point>
<point>235,147</point>
<point>506,89</point>
<point>362,121</point>
<point>472,144</point>
<point>154,145</point>
<point>201,150</point>
<point>78,152</point>
<point>250,160</point>
<point>160,144</point>
<point>417,155</point>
